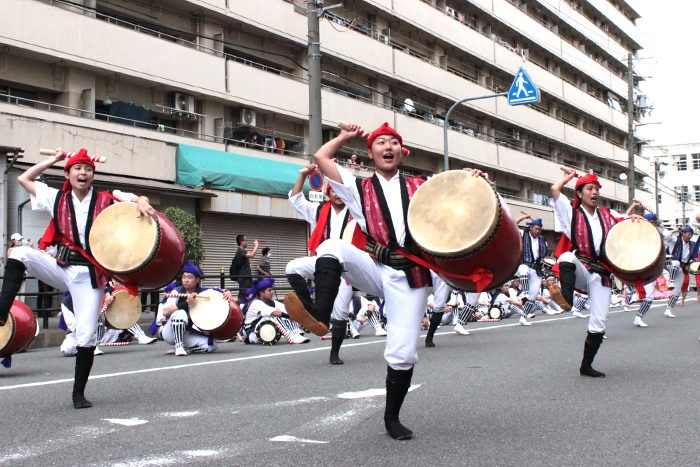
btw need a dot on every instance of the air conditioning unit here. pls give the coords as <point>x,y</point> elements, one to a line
<point>183,102</point>
<point>451,12</point>
<point>247,117</point>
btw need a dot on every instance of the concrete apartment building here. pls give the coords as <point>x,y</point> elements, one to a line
<point>204,104</point>
<point>675,179</point>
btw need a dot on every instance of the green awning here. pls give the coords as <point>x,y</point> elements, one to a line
<point>221,170</point>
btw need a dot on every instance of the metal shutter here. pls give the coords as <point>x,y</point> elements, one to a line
<point>286,238</point>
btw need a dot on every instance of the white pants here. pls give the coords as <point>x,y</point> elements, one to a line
<point>678,278</point>
<point>192,341</point>
<point>441,290</point>
<point>404,307</point>
<point>534,281</point>
<point>76,279</point>
<point>598,295</point>
<point>306,267</point>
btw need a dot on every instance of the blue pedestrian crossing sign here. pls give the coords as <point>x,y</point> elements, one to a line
<point>523,90</point>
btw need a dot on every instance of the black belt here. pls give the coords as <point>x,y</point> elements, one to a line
<point>67,257</point>
<point>595,266</point>
<point>388,256</point>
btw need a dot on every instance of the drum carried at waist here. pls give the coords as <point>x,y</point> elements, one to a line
<point>634,250</point>
<point>694,268</point>
<point>147,252</point>
<point>460,224</point>
<point>212,313</point>
<point>19,330</point>
<point>124,311</point>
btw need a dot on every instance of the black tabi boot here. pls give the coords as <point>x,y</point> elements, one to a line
<point>590,349</point>
<point>83,365</point>
<point>12,281</point>
<point>397,384</point>
<point>567,278</point>
<point>435,320</point>
<point>301,288</point>
<point>327,281</point>
<point>338,331</point>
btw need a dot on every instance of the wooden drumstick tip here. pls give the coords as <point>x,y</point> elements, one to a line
<point>567,170</point>
<point>344,125</point>
<point>49,152</point>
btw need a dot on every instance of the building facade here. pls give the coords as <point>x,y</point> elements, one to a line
<point>675,169</point>
<point>204,104</point>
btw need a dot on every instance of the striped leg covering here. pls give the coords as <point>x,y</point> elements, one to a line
<point>553,306</point>
<point>581,303</point>
<point>137,331</point>
<point>643,308</point>
<point>525,282</point>
<point>465,313</point>
<point>528,308</point>
<point>512,309</point>
<point>630,294</point>
<point>672,302</point>
<point>673,270</point>
<point>373,319</point>
<point>285,327</point>
<point>179,332</point>
<point>101,328</point>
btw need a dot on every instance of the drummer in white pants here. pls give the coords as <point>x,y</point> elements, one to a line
<point>683,250</point>
<point>327,221</point>
<point>530,271</point>
<point>174,319</point>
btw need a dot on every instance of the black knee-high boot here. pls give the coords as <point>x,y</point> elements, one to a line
<point>435,320</point>
<point>326,282</point>
<point>338,331</point>
<point>567,278</point>
<point>301,288</point>
<point>590,349</point>
<point>12,281</point>
<point>397,384</point>
<point>83,365</point>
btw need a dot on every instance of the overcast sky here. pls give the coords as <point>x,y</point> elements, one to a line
<point>672,62</point>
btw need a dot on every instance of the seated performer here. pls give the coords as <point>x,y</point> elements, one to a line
<point>265,308</point>
<point>530,270</point>
<point>378,205</point>
<point>585,227</point>
<point>683,252</point>
<point>506,298</point>
<point>368,314</point>
<point>173,317</point>
<point>327,220</point>
<point>73,209</point>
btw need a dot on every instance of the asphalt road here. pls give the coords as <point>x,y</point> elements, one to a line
<point>504,395</point>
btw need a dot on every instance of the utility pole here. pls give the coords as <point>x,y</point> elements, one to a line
<point>313,12</point>
<point>630,128</point>
<point>656,187</point>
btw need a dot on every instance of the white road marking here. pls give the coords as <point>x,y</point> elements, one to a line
<point>375,392</point>
<point>273,355</point>
<point>294,439</point>
<point>125,421</point>
<point>181,414</point>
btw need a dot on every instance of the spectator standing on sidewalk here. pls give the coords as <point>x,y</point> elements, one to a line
<point>240,266</point>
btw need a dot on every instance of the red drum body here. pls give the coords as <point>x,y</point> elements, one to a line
<point>460,223</point>
<point>635,251</point>
<point>19,330</point>
<point>146,252</point>
<point>215,315</point>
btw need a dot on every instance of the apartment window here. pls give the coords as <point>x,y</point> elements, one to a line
<point>696,161</point>
<point>696,192</point>
<point>681,193</point>
<point>681,161</point>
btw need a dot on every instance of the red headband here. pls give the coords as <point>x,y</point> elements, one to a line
<point>80,157</point>
<point>384,129</point>
<point>586,179</point>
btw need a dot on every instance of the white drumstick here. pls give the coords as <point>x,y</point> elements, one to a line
<point>67,154</point>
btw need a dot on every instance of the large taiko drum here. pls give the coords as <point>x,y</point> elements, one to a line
<point>124,311</point>
<point>146,252</point>
<point>212,313</point>
<point>634,250</point>
<point>460,223</point>
<point>19,330</point>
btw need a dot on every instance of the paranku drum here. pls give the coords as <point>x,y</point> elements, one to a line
<point>694,268</point>
<point>268,333</point>
<point>460,223</point>
<point>124,311</point>
<point>212,313</point>
<point>635,251</point>
<point>495,312</point>
<point>19,330</point>
<point>147,252</point>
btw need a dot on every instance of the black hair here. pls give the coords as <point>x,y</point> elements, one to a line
<point>239,239</point>
<point>265,251</point>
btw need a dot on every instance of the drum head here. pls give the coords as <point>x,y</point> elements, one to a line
<point>495,313</point>
<point>633,246</point>
<point>694,267</point>
<point>121,242</point>
<point>124,311</point>
<point>268,333</point>
<point>7,332</point>
<point>453,214</point>
<point>210,310</point>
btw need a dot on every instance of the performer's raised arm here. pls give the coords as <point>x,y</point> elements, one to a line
<point>26,178</point>
<point>299,183</point>
<point>561,183</point>
<point>324,157</point>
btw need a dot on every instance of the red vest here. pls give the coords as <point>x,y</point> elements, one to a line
<point>378,221</point>
<point>580,232</point>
